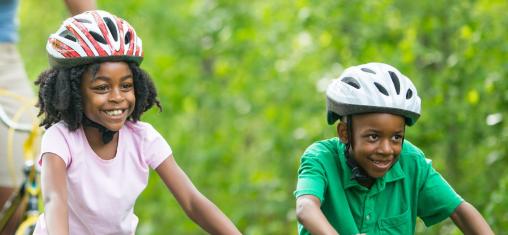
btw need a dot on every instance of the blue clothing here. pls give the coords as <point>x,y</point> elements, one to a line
<point>8,21</point>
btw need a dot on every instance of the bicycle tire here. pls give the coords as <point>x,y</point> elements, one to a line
<point>11,206</point>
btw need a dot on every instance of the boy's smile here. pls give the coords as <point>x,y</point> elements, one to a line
<point>108,95</point>
<point>377,141</point>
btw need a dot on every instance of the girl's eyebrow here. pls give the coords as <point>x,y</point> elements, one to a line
<point>107,79</point>
<point>129,76</point>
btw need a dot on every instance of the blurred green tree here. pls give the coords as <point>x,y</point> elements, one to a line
<point>242,84</point>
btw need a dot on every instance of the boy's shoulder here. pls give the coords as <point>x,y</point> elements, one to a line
<point>411,150</point>
<point>412,156</point>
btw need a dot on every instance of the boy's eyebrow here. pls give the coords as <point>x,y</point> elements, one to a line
<point>379,131</point>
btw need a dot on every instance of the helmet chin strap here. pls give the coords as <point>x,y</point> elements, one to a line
<point>357,172</point>
<point>107,135</point>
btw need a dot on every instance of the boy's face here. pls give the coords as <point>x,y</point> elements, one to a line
<point>377,141</point>
<point>108,95</point>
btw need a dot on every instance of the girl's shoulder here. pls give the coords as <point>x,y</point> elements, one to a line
<point>60,129</point>
<point>141,129</point>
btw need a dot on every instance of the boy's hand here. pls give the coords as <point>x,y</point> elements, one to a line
<point>469,220</point>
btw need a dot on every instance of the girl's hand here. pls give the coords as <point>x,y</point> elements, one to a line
<point>196,206</point>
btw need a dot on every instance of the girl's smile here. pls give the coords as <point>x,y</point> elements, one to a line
<point>108,94</point>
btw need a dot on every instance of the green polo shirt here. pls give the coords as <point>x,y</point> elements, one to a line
<point>409,189</point>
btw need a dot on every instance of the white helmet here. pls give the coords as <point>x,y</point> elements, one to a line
<point>372,88</point>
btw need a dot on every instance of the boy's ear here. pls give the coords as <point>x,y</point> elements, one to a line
<point>342,132</point>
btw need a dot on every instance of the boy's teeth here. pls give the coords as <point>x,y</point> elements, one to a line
<point>114,112</point>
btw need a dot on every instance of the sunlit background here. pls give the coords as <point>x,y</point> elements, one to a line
<point>241,83</point>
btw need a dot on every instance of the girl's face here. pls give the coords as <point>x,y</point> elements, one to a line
<point>377,141</point>
<point>108,95</point>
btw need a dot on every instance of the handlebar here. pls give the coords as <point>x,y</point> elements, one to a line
<point>12,124</point>
<point>8,122</point>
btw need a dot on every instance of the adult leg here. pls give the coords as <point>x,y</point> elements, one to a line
<point>13,78</point>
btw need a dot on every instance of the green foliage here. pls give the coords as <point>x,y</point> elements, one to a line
<point>242,82</point>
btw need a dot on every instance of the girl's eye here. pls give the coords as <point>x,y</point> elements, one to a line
<point>101,88</point>
<point>397,138</point>
<point>127,86</point>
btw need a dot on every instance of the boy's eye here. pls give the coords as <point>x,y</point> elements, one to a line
<point>373,137</point>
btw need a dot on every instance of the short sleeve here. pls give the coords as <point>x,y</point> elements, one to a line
<point>437,200</point>
<point>54,141</point>
<point>155,147</point>
<point>311,177</point>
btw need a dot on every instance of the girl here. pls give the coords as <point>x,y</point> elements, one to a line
<point>370,180</point>
<point>95,153</point>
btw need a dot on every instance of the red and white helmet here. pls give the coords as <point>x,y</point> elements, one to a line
<point>93,36</point>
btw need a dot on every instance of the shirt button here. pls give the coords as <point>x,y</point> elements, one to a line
<point>368,217</point>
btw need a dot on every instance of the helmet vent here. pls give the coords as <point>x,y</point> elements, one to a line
<point>127,37</point>
<point>351,81</point>
<point>83,20</point>
<point>381,88</point>
<point>68,35</point>
<point>112,27</point>
<point>368,70</point>
<point>98,37</point>
<point>395,81</point>
<point>409,94</point>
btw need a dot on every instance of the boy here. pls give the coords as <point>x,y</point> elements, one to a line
<point>370,180</point>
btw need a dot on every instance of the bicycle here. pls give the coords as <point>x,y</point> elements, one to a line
<point>28,195</point>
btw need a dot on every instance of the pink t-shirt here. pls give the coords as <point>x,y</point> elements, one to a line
<point>101,193</point>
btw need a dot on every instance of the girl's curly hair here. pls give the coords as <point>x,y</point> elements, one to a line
<point>60,94</point>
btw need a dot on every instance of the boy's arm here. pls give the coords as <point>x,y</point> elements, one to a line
<point>54,191</point>
<point>309,214</point>
<point>196,206</point>
<point>78,6</point>
<point>469,220</point>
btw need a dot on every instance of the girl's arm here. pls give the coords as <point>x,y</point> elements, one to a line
<point>78,6</point>
<point>469,220</point>
<point>196,206</point>
<point>54,191</point>
<point>309,214</point>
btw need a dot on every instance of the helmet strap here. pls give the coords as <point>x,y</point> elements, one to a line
<point>357,172</point>
<point>107,135</point>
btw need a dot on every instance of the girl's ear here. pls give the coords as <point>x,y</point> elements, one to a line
<point>342,132</point>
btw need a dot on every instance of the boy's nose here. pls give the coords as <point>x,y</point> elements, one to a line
<point>386,148</point>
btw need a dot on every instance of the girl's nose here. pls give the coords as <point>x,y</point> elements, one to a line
<point>116,95</point>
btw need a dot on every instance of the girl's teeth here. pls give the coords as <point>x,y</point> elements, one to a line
<point>114,112</point>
